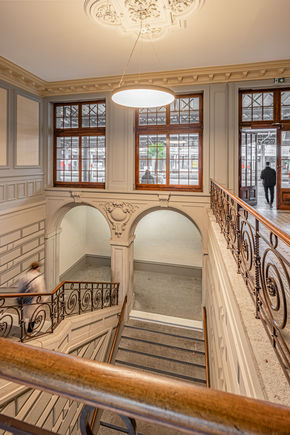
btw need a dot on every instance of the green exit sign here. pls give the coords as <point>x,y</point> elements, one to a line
<point>279,80</point>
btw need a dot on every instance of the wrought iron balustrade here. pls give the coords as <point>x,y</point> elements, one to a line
<point>47,310</point>
<point>262,253</point>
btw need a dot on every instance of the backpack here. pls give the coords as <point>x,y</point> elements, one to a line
<point>25,289</point>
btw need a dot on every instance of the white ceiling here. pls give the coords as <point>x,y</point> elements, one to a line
<point>55,40</point>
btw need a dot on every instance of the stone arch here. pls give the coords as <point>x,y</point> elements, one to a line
<point>183,258</point>
<point>53,223</point>
<point>55,215</point>
<point>196,221</point>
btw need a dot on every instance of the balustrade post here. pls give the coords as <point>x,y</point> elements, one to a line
<point>227,223</point>
<point>52,312</point>
<point>238,230</point>
<point>79,297</point>
<point>22,323</point>
<point>62,301</point>
<point>92,297</point>
<point>257,259</point>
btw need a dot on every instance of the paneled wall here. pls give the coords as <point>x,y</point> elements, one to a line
<point>21,150</point>
<point>22,211</point>
<point>21,242</point>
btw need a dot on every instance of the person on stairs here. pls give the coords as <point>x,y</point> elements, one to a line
<point>35,281</point>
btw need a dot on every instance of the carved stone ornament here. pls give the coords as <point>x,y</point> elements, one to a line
<point>76,196</point>
<point>156,16</point>
<point>119,214</point>
<point>164,199</point>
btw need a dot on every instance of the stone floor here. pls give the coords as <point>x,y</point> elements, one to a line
<point>161,293</point>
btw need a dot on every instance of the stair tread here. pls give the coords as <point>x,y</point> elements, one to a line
<point>167,329</point>
<point>157,349</point>
<point>161,372</point>
<point>143,428</point>
<point>167,340</point>
<point>156,362</point>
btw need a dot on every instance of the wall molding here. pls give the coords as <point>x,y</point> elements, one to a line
<point>14,74</point>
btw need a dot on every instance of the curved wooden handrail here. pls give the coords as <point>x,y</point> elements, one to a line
<point>206,347</point>
<point>183,406</point>
<point>109,360</point>
<point>280,233</point>
<point>15,295</point>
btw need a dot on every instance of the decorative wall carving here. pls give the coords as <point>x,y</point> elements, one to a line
<point>119,214</point>
<point>10,73</point>
<point>76,197</point>
<point>164,199</point>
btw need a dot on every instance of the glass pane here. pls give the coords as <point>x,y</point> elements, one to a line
<point>257,106</point>
<point>285,160</point>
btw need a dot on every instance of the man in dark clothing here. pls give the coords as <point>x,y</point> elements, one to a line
<point>147,178</point>
<point>268,175</point>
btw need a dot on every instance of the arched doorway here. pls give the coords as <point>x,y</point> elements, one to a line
<point>168,266</point>
<point>84,248</point>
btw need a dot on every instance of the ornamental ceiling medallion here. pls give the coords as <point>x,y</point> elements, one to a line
<point>157,16</point>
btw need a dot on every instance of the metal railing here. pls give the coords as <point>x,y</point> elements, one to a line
<point>47,310</point>
<point>261,251</point>
<point>163,401</point>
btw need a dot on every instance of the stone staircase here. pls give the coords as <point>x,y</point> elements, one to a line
<point>160,349</point>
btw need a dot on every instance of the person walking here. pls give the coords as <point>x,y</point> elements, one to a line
<point>147,178</point>
<point>268,175</point>
<point>32,279</point>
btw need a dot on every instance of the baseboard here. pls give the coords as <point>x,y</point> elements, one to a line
<point>174,269</point>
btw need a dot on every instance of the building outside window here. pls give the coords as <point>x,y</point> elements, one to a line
<point>169,145</point>
<point>80,144</point>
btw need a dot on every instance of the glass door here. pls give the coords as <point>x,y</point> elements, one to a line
<point>283,171</point>
<point>248,167</point>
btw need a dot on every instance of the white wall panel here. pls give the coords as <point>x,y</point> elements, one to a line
<point>3,127</point>
<point>27,132</point>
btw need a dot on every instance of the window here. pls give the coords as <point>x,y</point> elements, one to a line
<point>169,145</point>
<point>80,144</point>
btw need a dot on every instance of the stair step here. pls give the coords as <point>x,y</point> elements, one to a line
<point>158,349</point>
<point>164,363</point>
<point>169,340</point>
<point>112,421</point>
<point>167,329</point>
<point>113,425</point>
<point>161,372</point>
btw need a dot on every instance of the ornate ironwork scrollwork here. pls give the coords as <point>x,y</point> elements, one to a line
<point>275,280</point>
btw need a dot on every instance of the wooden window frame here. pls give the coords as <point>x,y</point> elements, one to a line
<point>167,129</point>
<point>76,132</point>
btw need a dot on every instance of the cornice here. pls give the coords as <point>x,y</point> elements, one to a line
<point>18,76</point>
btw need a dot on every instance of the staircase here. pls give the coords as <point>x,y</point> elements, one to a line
<point>160,349</point>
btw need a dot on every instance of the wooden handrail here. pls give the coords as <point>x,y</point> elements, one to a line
<point>206,347</point>
<point>280,233</point>
<point>117,331</point>
<point>15,295</point>
<point>183,406</point>
<point>109,360</point>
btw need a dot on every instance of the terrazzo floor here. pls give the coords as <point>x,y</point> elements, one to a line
<point>159,293</point>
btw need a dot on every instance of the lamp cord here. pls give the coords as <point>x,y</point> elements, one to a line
<point>131,54</point>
